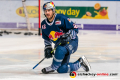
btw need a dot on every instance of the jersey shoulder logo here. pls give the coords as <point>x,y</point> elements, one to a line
<point>44,26</point>
<point>68,19</point>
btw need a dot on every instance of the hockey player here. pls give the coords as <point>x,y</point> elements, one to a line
<point>60,30</point>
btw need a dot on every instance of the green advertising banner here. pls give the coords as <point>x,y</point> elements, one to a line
<point>95,12</point>
<point>83,12</point>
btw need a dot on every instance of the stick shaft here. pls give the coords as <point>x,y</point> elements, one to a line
<point>38,63</point>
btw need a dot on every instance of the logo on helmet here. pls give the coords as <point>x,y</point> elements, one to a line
<point>52,4</point>
<point>45,6</point>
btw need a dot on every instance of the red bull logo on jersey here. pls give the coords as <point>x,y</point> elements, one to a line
<point>55,35</point>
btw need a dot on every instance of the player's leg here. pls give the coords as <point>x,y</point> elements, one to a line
<point>62,51</point>
<point>59,55</point>
<point>81,62</point>
<point>68,67</point>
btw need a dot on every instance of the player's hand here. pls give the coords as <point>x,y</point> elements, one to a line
<point>65,38</point>
<point>48,53</point>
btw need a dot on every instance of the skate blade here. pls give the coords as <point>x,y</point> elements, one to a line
<point>86,62</point>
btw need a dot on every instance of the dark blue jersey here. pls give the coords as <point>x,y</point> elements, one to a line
<point>61,24</point>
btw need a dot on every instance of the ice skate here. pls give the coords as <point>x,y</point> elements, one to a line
<point>84,63</point>
<point>47,70</point>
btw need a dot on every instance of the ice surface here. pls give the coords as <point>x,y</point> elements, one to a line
<point>19,54</point>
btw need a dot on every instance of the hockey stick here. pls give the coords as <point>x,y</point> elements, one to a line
<point>44,58</point>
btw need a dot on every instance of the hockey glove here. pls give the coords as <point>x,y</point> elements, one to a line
<point>65,38</point>
<point>48,53</point>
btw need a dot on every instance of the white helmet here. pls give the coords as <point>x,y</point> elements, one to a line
<point>49,5</point>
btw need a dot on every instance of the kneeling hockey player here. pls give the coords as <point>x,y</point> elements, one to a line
<point>60,30</point>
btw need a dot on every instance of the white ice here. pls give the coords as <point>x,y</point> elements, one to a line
<point>19,53</point>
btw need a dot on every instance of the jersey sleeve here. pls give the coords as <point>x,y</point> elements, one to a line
<point>68,24</point>
<point>70,27</point>
<point>47,41</point>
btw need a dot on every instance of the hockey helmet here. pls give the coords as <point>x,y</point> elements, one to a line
<point>49,5</point>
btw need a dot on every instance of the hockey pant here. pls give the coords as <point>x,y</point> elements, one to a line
<point>62,56</point>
